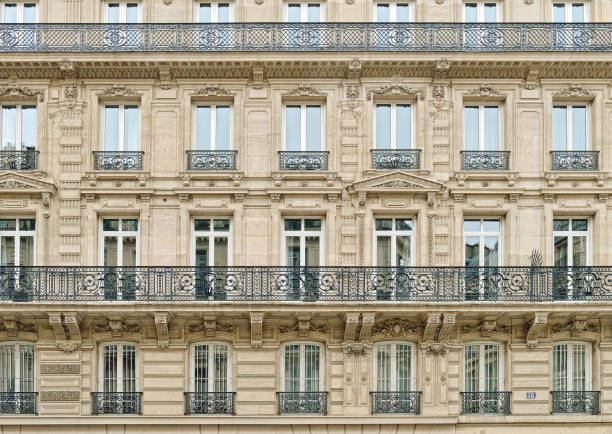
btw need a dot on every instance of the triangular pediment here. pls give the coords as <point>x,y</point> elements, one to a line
<point>12,182</point>
<point>397,181</point>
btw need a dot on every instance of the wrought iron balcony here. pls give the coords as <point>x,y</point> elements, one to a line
<point>19,160</point>
<point>303,160</point>
<point>396,402</point>
<point>211,160</point>
<point>396,159</point>
<point>198,37</point>
<point>575,160</point>
<point>18,402</point>
<point>485,402</point>
<point>305,284</point>
<point>209,402</point>
<point>575,402</point>
<point>117,160</point>
<point>116,402</point>
<point>302,402</point>
<point>485,160</point>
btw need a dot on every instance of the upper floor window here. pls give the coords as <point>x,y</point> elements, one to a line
<point>570,128</point>
<point>304,128</point>
<point>210,368</point>
<point>302,240</point>
<point>569,12</point>
<point>119,242</point>
<point>394,12</point>
<point>393,125</point>
<point>481,128</point>
<point>394,242</point>
<point>483,367</point>
<point>571,242</point>
<point>302,367</point>
<point>572,366</point>
<point>395,367</point>
<point>16,13</point>
<point>481,12</point>
<point>16,368</point>
<point>121,127</point>
<point>214,12</point>
<point>17,241</point>
<point>482,242</point>
<point>118,367</point>
<point>211,242</point>
<point>123,12</point>
<point>18,127</point>
<point>304,12</point>
<point>213,127</point>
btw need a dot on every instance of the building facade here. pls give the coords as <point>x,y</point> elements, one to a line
<point>336,216</point>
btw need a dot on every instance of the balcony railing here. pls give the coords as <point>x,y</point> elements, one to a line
<point>18,402</point>
<point>485,160</point>
<point>396,159</point>
<point>306,284</point>
<point>396,402</point>
<point>302,402</point>
<point>485,402</point>
<point>209,402</point>
<point>303,160</point>
<point>575,160</point>
<point>575,402</point>
<point>19,160</point>
<point>488,37</point>
<point>118,160</point>
<point>211,160</point>
<point>115,402</point>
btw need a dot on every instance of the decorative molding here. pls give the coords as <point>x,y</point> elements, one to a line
<point>304,91</point>
<point>14,92</point>
<point>395,327</point>
<point>448,323</point>
<point>350,329</point>
<point>303,327</point>
<point>355,348</point>
<point>438,91</point>
<point>60,369</point>
<point>528,2</point>
<point>353,91</point>
<point>431,325</point>
<point>119,90</point>
<point>161,324</point>
<point>256,319</point>
<point>13,328</point>
<point>116,327</point>
<point>540,319</point>
<point>210,326</point>
<point>167,2</point>
<point>72,324</point>
<point>486,327</point>
<point>484,90</point>
<point>60,395</point>
<point>576,326</point>
<point>71,91</point>
<point>574,90</point>
<point>212,91</point>
<point>398,181</point>
<point>430,347</point>
<point>354,69</point>
<point>367,324</point>
<point>55,320</point>
<point>396,88</point>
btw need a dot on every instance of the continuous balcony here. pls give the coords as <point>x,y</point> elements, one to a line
<point>249,37</point>
<point>303,160</point>
<point>302,402</point>
<point>396,159</point>
<point>117,160</point>
<point>18,402</point>
<point>575,160</point>
<point>19,160</point>
<point>585,402</point>
<point>305,284</point>
<point>210,402</point>
<point>211,160</point>
<point>396,402</point>
<point>485,160</point>
<point>116,402</point>
<point>485,402</point>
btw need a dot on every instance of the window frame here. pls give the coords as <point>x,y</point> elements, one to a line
<point>482,234</point>
<point>17,233</point>
<point>480,6</point>
<point>481,130</point>
<point>393,126</point>
<point>393,368</point>
<point>210,362</point>
<point>17,360</point>
<point>122,11</point>
<point>302,351</point>
<point>20,9</point>
<point>214,10</point>
<point>19,123</point>
<point>213,124</point>
<point>120,234</point>
<point>394,233</point>
<point>568,11</point>
<point>570,234</point>
<point>393,10</point>
<point>569,377</point>
<point>303,125</point>
<point>120,368</point>
<point>120,126</point>
<point>302,233</point>
<point>304,10</point>
<point>569,138</point>
<point>481,361</point>
<point>212,234</point>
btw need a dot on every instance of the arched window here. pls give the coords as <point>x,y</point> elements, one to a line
<point>17,378</point>
<point>394,367</point>
<point>302,379</point>
<point>118,379</point>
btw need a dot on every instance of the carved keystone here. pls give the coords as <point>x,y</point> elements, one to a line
<point>538,323</point>
<point>161,324</point>
<point>303,324</point>
<point>256,329</point>
<point>210,325</point>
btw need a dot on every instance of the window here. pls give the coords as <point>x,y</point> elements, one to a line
<point>127,13</point>
<point>571,242</point>
<point>304,128</point>
<point>211,242</point>
<point>121,128</point>
<point>394,242</point>
<point>572,366</point>
<point>482,242</point>
<point>16,369</point>
<point>569,12</point>
<point>17,241</point>
<point>302,240</point>
<point>213,127</point>
<point>483,367</point>
<point>481,12</point>
<point>17,13</point>
<point>393,126</point>
<point>301,367</point>
<point>570,128</point>
<point>395,367</point>
<point>118,367</point>
<point>119,242</point>
<point>481,128</point>
<point>304,13</point>
<point>18,127</point>
<point>214,12</point>
<point>211,368</point>
<point>394,12</point>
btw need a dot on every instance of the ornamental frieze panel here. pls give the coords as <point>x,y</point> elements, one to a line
<point>396,89</point>
<point>397,327</point>
<point>119,91</point>
<point>398,181</point>
<point>21,92</point>
<point>574,90</point>
<point>212,91</point>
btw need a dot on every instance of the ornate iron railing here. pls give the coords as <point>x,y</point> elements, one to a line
<point>116,402</point>
<point>19,160</point>
<point>485,402</point>
<point>117,160</point>
<point>575,402</point>
<point>396,158</point>
<point>488,37</point>
<point>209,402</point>
<point>211,160</point>
<point>18,402</point>
<point>396,402</point>
<point>302,402</point>
<point>485,160</point>
<point>306,284</point>
<point>575,160</point>
<point>303,160</point>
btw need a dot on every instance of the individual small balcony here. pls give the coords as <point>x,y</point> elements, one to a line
<point>585,402</point>
<point>118,160</point>
<point>485,160</point>
<point>302,402</point>
<point>18,402</point>
<point>485,402</point>
<point>303,160</point>
<point>211,160</point>
<point>575,160</point>
<point>116,402</point>
<point>209,402</point>
<point>396,159</point>
<point>19,160</point>
<point>396,402</point>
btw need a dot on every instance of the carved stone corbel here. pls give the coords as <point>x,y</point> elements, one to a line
<point>210,325</point>
<point>367,322</point>
<point>303,324</point>
<point>355,348</point>
<point>539,321</point>
<point>161,324</point>
<point>116,326</point>
<point>488,325</point>
<point>447,327</point>
<point>55,320</point>
<point>256,329</point>
<point>433,321</point>
<point>350,329</point>
<point>72,324</point>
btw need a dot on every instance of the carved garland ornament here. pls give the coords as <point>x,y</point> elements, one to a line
<point>396,89</point>
<point>119,90</point>
<point>397,327</point>
<point>212,91</point>
<point>484,90</point>
<point>305,91</point>
<point>21,92</point>
<point>574,90</point>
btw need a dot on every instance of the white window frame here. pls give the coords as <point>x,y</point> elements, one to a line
<point>481,130</point>
<point>20,7</point>
<point>481,362</point>
<point>120,234</point>
<point>302,345</point>
<point>302,233</point>
<point>120,367</point>
<point>393,368</point>
<point>214,10</point>
<point>568,10</point>
<point>393,131</point>
<point>393,10</point>
<point>304,10</point>
<point>122,10</point>
<point>213,124</point>
<point>121,126</point>
<point>211,363</point>
<point>19,123</point>
<point>212,235</point>
<point>480,10</point>
<point>394,233</point>
<point>17,362</point>
<point>570,234</point>
<point>303,124</point>
<point>569,127</point>
<point>482,234</point>
<point>588,361</point>
<point>17,234</point>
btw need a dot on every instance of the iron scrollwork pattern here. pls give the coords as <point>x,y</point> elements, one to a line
<point>408,159</point>
<point>575,160</point>
<point>396,402</point>
<point>211,160</point>
<point>575,402</point>
<point>485,402</point>
<point>19,160</point>
<point>18,402</point>
<point>485,160</point>
<point>116,402</point>
<point>209,402</point>
<point>118,160</point>
<point>302,402</point>
<point>303,160</point>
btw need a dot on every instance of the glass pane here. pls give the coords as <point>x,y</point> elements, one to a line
<point>129,225</point>
<point>490,13</point>
<point>384,224</point>
<point>129,251</point>
<point>471,12</point>
<point>383,251</point>
<point>26,375</point>
<point>131,14</point>
<point>200,368</point>
<point>112,13</point>
<point>472,251</point>
<point>403,368</point>
<point>559,128</point>
<point>383,126</point>
<point>579,373</point>
<point>7,368</point>
<point>221,225</point>
<point>131,128</point>
<point>111,128</point>
<point>491,366</point>
<point>293,133</point>
<point>10,13</point>
<point>26,251</point>
<point>491,129</point>
<point>110,251</point>
<point>579,250</point>
<point>403,224</point>
<point>27,224</point>
<point>579,128</point>
<point>109,364</point>
<point>561,251</point>
<point>560,367</point>
<point>294,13</point>
<point>110,224</point>
<point>403,13</point>
<point>203,128</point>
<point>293,224</point>
<point>129,368</point>
<point>470,128</point>
<point>292,245</point>
<point>311,368</point>
<point>201,252</point>
<point>312,252</point>
<point>221,359</point>
<point>560,225</point>
<point>382,13</point>
<point>558,13</point>
<point>223,12</point>
<point>222,134</point>
<point>472,368</point>
<point>383,368</point>
<point>221,252</point>
<point>578,13</point>
<point>403,138</point>
<point>580,224</point>
<point>314,13</point>
<point>491,252</point>
<point>201,225</point>
<point>9,128</point>
<point>205,15</point>
<point>471,226</point>
<point>402,251</point>
<point>28,127</point>
<point>8,224</point>
<point>292,368</point>
<point>490,225</point>
<point>7,250</point>
<point>29,13</point>
<point>313,126</point>
<point>312,224</point>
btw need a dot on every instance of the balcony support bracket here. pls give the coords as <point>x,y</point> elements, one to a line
<point>256,329</point>
<point>540,320</point>
<point>161,324</point>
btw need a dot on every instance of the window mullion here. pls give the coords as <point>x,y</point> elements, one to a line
<point>211,368</point>
<point>481,369</point>
<point>17,377</point>
<point>119,376</point>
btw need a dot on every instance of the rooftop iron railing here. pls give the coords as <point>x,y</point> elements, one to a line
<point>216,37</point>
